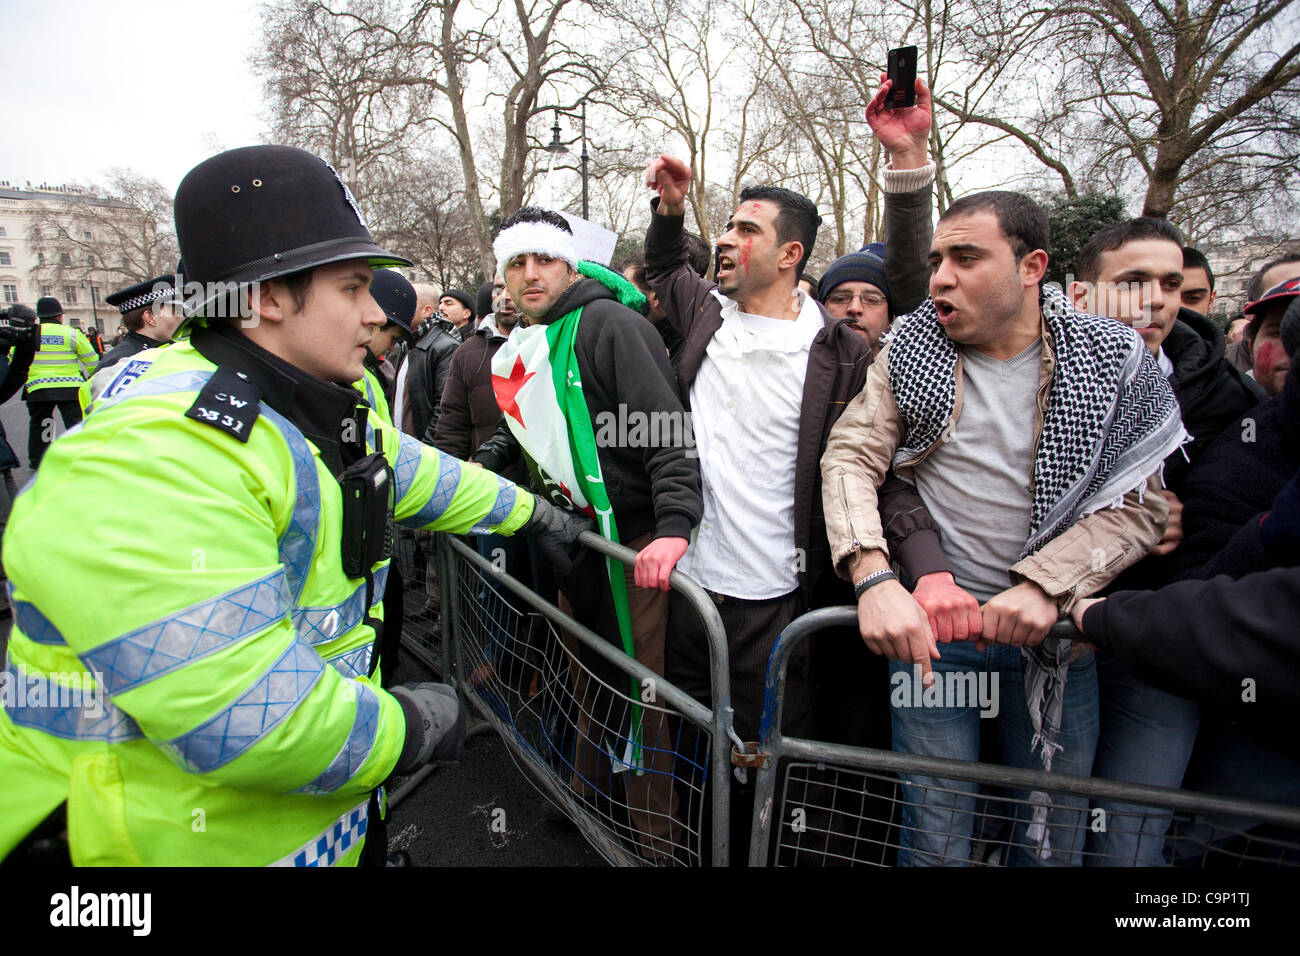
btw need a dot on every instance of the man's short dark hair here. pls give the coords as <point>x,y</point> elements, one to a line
<point>1022,221</point>
<point>299,285</point>
<point>1195,259</point>
<point>636,262</point>
<point>1256,287</point>
<point>796,218</point>
<point>1088,265</point>
<point>134,320</point>
<point>699,255</point>
<point>534,214</point>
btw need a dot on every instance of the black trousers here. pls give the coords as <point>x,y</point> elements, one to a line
<point>752,628</point>
<point>42,424</point>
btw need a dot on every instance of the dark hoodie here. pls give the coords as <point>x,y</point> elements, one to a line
<point>1212,395</point>
<point>622,363</point>
<point>1211,392</point>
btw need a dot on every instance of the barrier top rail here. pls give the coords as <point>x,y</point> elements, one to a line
<point>773,745</point>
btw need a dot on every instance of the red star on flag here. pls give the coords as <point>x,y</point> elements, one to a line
<point>506,389</point>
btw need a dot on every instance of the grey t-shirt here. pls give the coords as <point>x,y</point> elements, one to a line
<point>977,483</point>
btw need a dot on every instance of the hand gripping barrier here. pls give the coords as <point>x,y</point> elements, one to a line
<point>836,805</point>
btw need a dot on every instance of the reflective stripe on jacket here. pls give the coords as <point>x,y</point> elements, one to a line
<point>65,358</point>
<point>191,675</point>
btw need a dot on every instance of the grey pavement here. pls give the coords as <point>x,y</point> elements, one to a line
<point>449,819</point>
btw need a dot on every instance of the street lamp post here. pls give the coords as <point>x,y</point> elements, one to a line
<point>556,147</point>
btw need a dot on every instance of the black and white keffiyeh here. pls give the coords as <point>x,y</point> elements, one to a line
<point>1111,420</point>
<point>1111,416</point>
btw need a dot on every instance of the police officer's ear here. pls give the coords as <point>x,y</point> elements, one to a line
<point>270,300</point>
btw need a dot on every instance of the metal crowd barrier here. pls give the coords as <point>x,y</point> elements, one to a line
<point>638,765</point>
<point>835,805</point>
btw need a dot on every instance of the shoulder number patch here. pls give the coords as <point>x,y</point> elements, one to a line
<point>229,402</point>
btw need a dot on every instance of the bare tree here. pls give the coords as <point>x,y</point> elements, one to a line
<point>333,86</point>
<point>696,84</point>
<point>1183,104</point>
<point>419,211</point>
<point>110,238</point>
<point>430,63</point>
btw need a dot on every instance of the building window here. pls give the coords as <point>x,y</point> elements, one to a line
<point>90,258</point>
<point>65,258</point>
<point>63,233</point>
<point>94,294</point>
<point>40,258</point>
<point>69,295</point>
<point>5,259</point>
<point>86,235</point>
<point>11,294</point>
<point>2,231</point>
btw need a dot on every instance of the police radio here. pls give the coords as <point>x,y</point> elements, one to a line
<point>367,514</point>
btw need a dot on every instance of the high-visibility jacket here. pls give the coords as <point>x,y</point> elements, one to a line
<point>65,359</point>
<point>373,392</point>
<point>191,677</point>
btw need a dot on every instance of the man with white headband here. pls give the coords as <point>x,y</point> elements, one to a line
<point>586,391</point>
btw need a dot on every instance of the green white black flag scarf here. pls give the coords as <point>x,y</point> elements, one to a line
<point>539,390</point>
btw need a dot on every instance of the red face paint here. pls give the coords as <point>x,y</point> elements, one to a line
<point>1267,355</point>
<point>742,259</point>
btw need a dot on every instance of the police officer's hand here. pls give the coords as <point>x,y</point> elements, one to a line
<point>555,529</point>
<point>435,725</point>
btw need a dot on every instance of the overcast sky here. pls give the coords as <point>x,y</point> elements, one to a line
<point>149,85</point>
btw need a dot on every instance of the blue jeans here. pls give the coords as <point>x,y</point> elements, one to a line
<point>1146,737</point>
<point>938,815</point>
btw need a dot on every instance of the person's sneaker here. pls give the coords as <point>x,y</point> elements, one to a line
<point>400,858</point>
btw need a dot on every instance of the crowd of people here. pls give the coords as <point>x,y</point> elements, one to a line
<point>926,431</point>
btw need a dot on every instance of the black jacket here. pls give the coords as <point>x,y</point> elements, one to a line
<point>673,342</point>
<point>1212,394</point>
<point>1202,639</point>
<point>132,344</point>
<point>622,363</point>
<point>430,363</point>
<point>13,376</point>
<point>1234,482</point>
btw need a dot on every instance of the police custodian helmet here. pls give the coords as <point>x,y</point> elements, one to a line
<point>396,296</point>
<point>261,212</point>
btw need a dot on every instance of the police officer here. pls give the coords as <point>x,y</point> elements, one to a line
<point>229,710</point>
<point>396,296</point>
<point>63,361</point>
<point>151,314</point>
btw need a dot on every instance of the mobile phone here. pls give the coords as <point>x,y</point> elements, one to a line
<point>902,70</point>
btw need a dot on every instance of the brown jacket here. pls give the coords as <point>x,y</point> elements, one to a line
<point>1076,563</point>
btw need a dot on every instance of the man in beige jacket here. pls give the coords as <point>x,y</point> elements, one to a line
<point>1035,436</point>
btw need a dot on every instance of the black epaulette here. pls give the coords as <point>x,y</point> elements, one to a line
<point>229,402</point>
